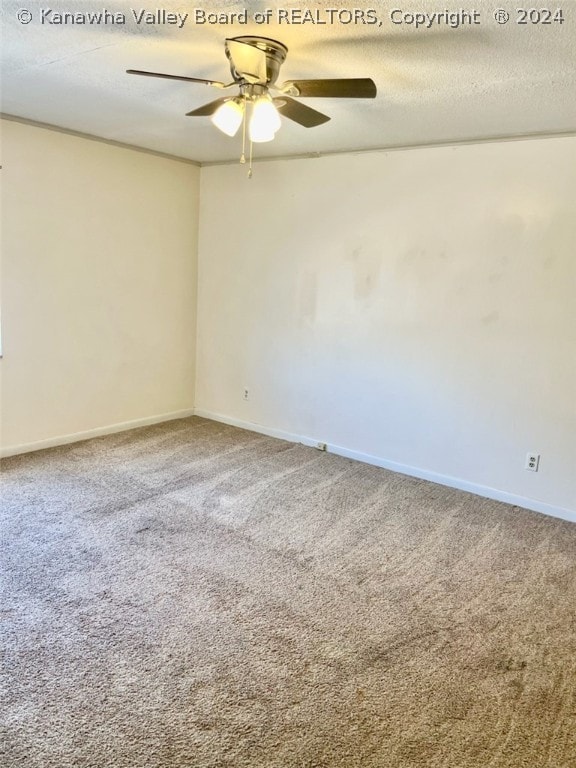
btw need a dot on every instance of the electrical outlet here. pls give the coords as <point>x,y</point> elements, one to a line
<point>532,462</point>
<point>245,394</point>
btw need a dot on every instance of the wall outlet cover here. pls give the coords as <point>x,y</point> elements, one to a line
<point>532,462</point>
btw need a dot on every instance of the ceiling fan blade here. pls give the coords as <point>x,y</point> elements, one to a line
<point>347,88</point>
<point>215,83</point>
<point>248,60</point>
<point>300,113</point>
<point>206,110</point>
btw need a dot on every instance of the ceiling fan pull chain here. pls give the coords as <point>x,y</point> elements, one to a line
<point>250,166</point>
<point>243,155</point>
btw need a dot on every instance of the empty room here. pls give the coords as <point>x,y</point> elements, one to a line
<point>288,385</point>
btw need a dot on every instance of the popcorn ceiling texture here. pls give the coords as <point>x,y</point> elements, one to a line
<point>192,594</point>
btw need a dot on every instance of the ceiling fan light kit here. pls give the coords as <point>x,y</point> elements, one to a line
<point>264,121</point>
<point>229,116</point>
<point>255,65</point>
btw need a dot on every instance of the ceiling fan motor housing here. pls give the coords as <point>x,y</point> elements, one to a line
<point>275,56</point>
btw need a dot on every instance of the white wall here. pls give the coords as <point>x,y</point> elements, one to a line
<point>99,251</point>
<point>418,307</point>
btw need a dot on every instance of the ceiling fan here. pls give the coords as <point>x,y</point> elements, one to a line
<point>255,65</point>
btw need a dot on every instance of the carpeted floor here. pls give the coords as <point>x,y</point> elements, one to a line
<point>195,595</point>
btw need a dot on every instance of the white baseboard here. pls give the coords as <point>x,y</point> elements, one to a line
<point>52,442</point>
<point>452,482</point>
<point>292,437</point>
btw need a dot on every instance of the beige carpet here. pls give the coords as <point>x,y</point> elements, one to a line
<point>192,594</point>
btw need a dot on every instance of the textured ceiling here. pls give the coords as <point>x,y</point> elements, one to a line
<point>436,84</point>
